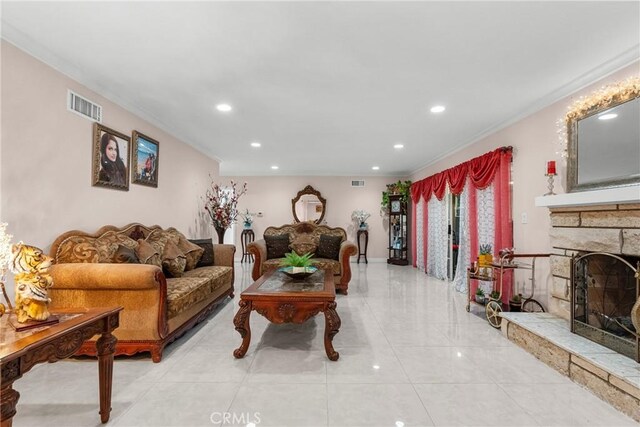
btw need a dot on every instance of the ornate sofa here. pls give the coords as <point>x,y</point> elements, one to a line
<point>306,237</point>
<point>157,309</point>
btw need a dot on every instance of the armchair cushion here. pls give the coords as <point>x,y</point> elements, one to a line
<point>207,252</point>
<point>303,244</point>
<point>328,247</point>
<point>277,246</point>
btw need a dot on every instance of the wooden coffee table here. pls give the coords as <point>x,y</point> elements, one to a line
<point>20,351</point>
<point>284,300</point>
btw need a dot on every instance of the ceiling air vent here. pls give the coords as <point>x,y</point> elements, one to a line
<point>84,107</point>
<point>357,183</point>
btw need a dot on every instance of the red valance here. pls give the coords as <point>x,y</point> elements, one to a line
<point>479,170</point>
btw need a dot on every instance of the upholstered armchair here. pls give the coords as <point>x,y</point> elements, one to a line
<point>328,244</point>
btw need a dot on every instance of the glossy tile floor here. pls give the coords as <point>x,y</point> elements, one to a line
<point>410,355</point>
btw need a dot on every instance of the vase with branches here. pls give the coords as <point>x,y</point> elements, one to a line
<point>221,203</point>
<point>360,217</point>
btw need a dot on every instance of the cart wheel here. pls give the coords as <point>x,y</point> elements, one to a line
<point>468,307</point>
<point>493,311</point>
<point>532,306</point>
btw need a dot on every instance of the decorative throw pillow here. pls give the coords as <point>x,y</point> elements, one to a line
<point>303,244</point>
<point>147,254</point>
<point>173,260</point>
<point>207,256</point>
<point>125,255</point>
<point>192,251</point>
<point>277,246</point>
<point>328,247</point>
<point>158,239</point>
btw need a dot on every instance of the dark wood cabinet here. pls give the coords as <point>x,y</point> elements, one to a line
<point>398,231</point>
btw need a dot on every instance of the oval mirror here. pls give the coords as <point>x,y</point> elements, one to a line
<point>308,205</point>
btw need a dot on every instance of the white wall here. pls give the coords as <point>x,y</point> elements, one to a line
<point>535,141</point>
<point>46,163</point>
<point>272,196</point>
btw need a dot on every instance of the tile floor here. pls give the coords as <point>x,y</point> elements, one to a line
<point>410,355</point>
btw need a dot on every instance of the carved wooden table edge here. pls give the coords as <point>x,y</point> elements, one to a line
<point>294,308</point>
<point>55,343</point>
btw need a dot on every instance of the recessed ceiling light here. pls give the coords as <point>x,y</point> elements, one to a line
<point>274,167</point>
<point>437,109</point>
<point>376,366</point>
<point>225,108</point>
<point>256,144</point>
<point>607,116</point>
<point>376,168</point>
<point>398,146</point>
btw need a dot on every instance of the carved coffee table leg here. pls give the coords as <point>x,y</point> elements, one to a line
<point>331,326</point>
<point>8,402</point>
<point>241,322</point>
<point>106,346</point>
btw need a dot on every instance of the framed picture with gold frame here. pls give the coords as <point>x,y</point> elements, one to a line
<point>144,156</point>
<point>110,166</point>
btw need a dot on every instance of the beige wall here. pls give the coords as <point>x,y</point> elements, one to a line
<point>272,196</point>
<point>535,141</point>
<point>46,162</point>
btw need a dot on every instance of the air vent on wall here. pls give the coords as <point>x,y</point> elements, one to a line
<point>84,107</point>
<point>357,183</point>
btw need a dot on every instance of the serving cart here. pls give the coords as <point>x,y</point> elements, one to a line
<point>495,273</point>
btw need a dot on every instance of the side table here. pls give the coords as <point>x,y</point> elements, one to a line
<point>247,236</point>
<point>364,233</point>
<point>22,350</point>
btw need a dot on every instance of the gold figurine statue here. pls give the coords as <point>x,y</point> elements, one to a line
<point>32,281</point>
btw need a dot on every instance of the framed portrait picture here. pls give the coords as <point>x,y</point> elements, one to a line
<point>144,160</point>
<point>110,158</point>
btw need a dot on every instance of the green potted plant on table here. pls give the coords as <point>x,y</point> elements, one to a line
<point>479,295</point>
<point>297,266</point>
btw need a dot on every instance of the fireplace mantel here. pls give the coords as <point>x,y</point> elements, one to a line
<point>607,196</point>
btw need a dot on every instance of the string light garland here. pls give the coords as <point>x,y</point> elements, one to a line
<point>600,99</point>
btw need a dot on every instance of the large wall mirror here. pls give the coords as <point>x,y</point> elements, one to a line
<point>308,205</point>
<point>604,144</point>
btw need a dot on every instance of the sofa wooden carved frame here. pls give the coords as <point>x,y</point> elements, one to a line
<point>155,347</point>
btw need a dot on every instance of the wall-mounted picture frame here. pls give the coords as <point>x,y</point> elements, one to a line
<point>110,166</point>
<point>144,160</point>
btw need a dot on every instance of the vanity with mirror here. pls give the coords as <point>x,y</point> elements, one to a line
<point>604,143</point>
<point>308,205</point>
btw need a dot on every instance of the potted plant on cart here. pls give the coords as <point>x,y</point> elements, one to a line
<point>495,295</point>
<point>479,295</point>
<point>515,303</point>
<point>486,257</point>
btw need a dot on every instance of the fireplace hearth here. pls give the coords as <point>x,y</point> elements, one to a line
<point>605,288</point>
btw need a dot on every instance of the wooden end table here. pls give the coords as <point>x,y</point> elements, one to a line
<point>283,300</point>
<point>20,351</point>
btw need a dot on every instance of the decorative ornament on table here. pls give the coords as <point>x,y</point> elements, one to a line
<point>221,203</point>
<point>360,217</point>
<point>247,219</point>
<point>5,256</point>
<point>32,282</point>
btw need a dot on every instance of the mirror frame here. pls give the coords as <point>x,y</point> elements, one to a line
<point>587,109</point>
<point>309,190</point>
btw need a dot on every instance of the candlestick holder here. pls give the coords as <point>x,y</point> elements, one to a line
<point>550,184</point>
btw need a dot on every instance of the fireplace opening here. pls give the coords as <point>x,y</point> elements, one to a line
<point>605,288</point>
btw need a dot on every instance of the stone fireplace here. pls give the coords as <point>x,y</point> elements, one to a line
<point>604,290</point>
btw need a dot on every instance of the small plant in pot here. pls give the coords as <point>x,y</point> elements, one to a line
<point>297,266</point>
<point>486,257</point>
<point>480,296</point>
<point>495,295</point>
<point>515,303</point>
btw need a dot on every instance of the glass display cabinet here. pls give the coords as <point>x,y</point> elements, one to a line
<point>397,231</point>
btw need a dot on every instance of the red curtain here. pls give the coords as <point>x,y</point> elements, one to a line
<point>490,168</point>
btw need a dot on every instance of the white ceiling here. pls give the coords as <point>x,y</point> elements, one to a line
<point>329,87</point>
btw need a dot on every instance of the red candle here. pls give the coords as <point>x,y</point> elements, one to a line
<point>551,167</point>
